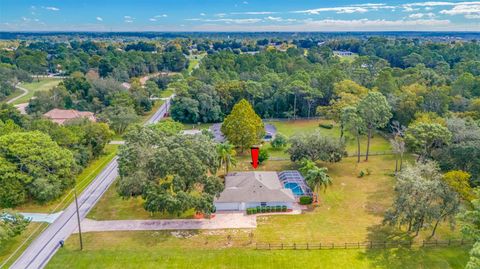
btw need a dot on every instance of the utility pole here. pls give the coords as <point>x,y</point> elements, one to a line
<point>78,220</point>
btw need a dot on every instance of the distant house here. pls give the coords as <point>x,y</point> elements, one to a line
<point>60,116</point>
<point>342,53</point>
<point>251,189</point>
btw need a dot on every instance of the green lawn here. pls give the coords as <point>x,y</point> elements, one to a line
<point>112,206</point>
<point>348,59</point>
<point>7,248</point>
<point>148,249</point>
<point>44,84</point>
<point>82,181</point>
<point>290,128</point>
<point>166,93</point>
<point>194,61</point>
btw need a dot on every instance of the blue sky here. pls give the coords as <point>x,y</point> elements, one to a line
<point>238,15</point>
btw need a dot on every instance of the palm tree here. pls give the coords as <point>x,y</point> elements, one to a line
<point>226,156</point>
<point>318,178</point>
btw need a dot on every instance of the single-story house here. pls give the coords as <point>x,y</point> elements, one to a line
<point>251,189</point>
<point>60,116</point>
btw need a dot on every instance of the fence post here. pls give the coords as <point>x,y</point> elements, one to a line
<point>256,245</point>
<point>294,245</point>
<point>345,245</point>
<point>308,246</point>
<point>320,245</point>
<point>449,241</point>
<point>333,245</point>
<point>358,244</point>
<point>461,243</point>
<point>282,245</point>
<point>436,242</point>
<point>384,244</point>
<point>371,244</point>
<point>423,243</point>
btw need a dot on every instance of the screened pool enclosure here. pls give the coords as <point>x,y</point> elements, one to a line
<point>292,179</point>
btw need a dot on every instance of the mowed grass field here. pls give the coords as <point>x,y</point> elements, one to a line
<point>351,210</point>
<point>162,250</point>
<point>44,84</point>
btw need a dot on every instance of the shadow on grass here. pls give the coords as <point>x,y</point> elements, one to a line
<point>403,255</point>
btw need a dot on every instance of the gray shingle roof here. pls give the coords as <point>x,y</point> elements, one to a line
<point>254,187</point>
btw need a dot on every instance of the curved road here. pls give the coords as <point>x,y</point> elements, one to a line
<point>41,250</point>
<point>25,92</point>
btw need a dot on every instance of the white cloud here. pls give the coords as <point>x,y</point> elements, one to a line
<point>279,19</point>
<point>202,14</point>
<point>358,24</point>
<point>99,19</point>
<point>128,19</point>
<point>236,21</point>
<point>245,2</point>
<point>360,8</point>
<point>421,15</point>
<point>471,10</point>
<point>161,16</point>
<point>274,18</point>
<point>339,10</point>
<point>220,15</point>
<point>52,8</point>
<point>152,19</point>
<point>254,13</point>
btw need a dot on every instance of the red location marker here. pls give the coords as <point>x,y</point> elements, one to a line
<point>254,151</point>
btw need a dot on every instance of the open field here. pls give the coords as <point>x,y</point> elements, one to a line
<point>44,84</point>
<point>290,128</point>
<point>82,181</point>
<point>162,250</point>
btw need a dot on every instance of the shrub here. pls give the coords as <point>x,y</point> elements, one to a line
<point>284,208</point>
<point>263,209</point>
<point>263,155</point>
<point>306,200</point>
<point>325,125</point>
<point>258,208</point>
<point>267,209</point>
<point>254,211</point>
<point>361,174</point>
<point>278,208</point>
<point>280,141</point>
<point>249,211</point>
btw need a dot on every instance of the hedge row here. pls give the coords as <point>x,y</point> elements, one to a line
<point>326,125</point>
<point>266,209</point>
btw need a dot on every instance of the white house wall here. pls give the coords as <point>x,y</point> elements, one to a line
<point>244,206</point>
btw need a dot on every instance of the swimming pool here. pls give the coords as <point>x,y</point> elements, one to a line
<point>296,189</point>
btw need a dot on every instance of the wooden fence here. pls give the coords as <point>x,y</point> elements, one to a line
<point>360,245</point>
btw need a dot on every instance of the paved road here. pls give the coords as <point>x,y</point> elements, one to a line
<point>25,92</point>
<point>41,250</point>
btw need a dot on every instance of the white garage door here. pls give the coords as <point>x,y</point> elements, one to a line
<point>227,206</point>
